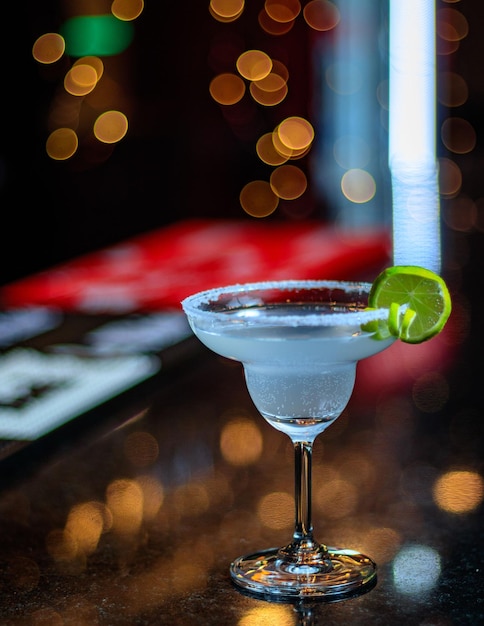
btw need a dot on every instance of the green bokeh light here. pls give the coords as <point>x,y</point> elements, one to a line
<point>99,35</point>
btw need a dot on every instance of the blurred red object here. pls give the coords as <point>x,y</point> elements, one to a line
<point>158,269</point>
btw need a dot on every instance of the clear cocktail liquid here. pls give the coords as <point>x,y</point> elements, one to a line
<point>299,376</point>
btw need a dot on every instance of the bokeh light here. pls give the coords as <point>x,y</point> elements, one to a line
<point>450,177</point>
<point>94,62</point>
<point>111,126</point>
<point>226,10</point>
<point>267,98</point>
<point>127,10</point>
<point>321,15</point>
<point>258,199</point>
<point>153,495</point>
<point>85,524</point>
<point>337,498</point>
<point>276,510</point>
<point>62,144</point>
<point>124,498</point>
<point>268,615</point>
<point>100,35</point>
<point>288,182</point>
<point>241,442</point>
<point>191,499</point>
<point>267,151</point>
<point>452,89</point>
<point>358,185</point>
<point>227,88</point>
<point>254,65</point>
<point>296,133</point>
<point>80,79</point>
<point>416,570</point>
<point>458,135</point>
<point>451,25</point>
<point>282,10</point>
<point>48,48</point>
<point>273,27</point>
<point>459,491</point>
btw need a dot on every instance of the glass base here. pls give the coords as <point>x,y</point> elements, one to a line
<point>340,574</point>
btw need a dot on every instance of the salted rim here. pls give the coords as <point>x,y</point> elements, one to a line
<point>191,303</point>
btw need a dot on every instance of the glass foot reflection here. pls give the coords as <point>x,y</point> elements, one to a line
<point>340,573</point>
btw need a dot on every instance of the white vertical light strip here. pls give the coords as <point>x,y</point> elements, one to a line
<point>412,128</point>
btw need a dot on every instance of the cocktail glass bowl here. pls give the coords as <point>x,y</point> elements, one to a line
<point>299,342</point>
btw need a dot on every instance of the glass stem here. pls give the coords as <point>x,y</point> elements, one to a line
<point>303,550</point>
<point>303,531</point>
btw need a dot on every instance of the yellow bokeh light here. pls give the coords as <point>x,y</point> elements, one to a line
<point>124,498</point>
<point>267,152</point>
<point>274,81</point>
<point>94,62</point>
<point>270,615</point>
<point>276,510</point>
<point>227,9</point>
<point>241,442</point>
<point>85,524</point>
<point>288,182</point>
<point>48,48</point>
<point>358,186</point>
<point>227,88</point>
<point>258,199</point>
<point>153,495</point>
<point>321,15</point>
<point>191,499</point>
<point>111,126</point>
<point>282,10</point>
<point>220,18</point>
<point>271,26</point>
<point>254,64</point>
<point>295,132</point>
<point>267,98</point>
<point>61,144</point>
<point>337,498</point>
<point>80,80</point>
<point>127,10</point>
<point>459,491</point>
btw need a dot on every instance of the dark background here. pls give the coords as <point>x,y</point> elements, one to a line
<point>182,157</point>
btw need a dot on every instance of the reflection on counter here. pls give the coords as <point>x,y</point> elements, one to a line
<point>139,526</point>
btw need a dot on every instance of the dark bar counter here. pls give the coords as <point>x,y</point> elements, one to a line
<point>135,520</point>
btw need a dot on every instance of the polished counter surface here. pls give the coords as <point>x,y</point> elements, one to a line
<point>135,521</point>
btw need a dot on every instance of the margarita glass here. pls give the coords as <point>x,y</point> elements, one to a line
<point>299,342</point>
